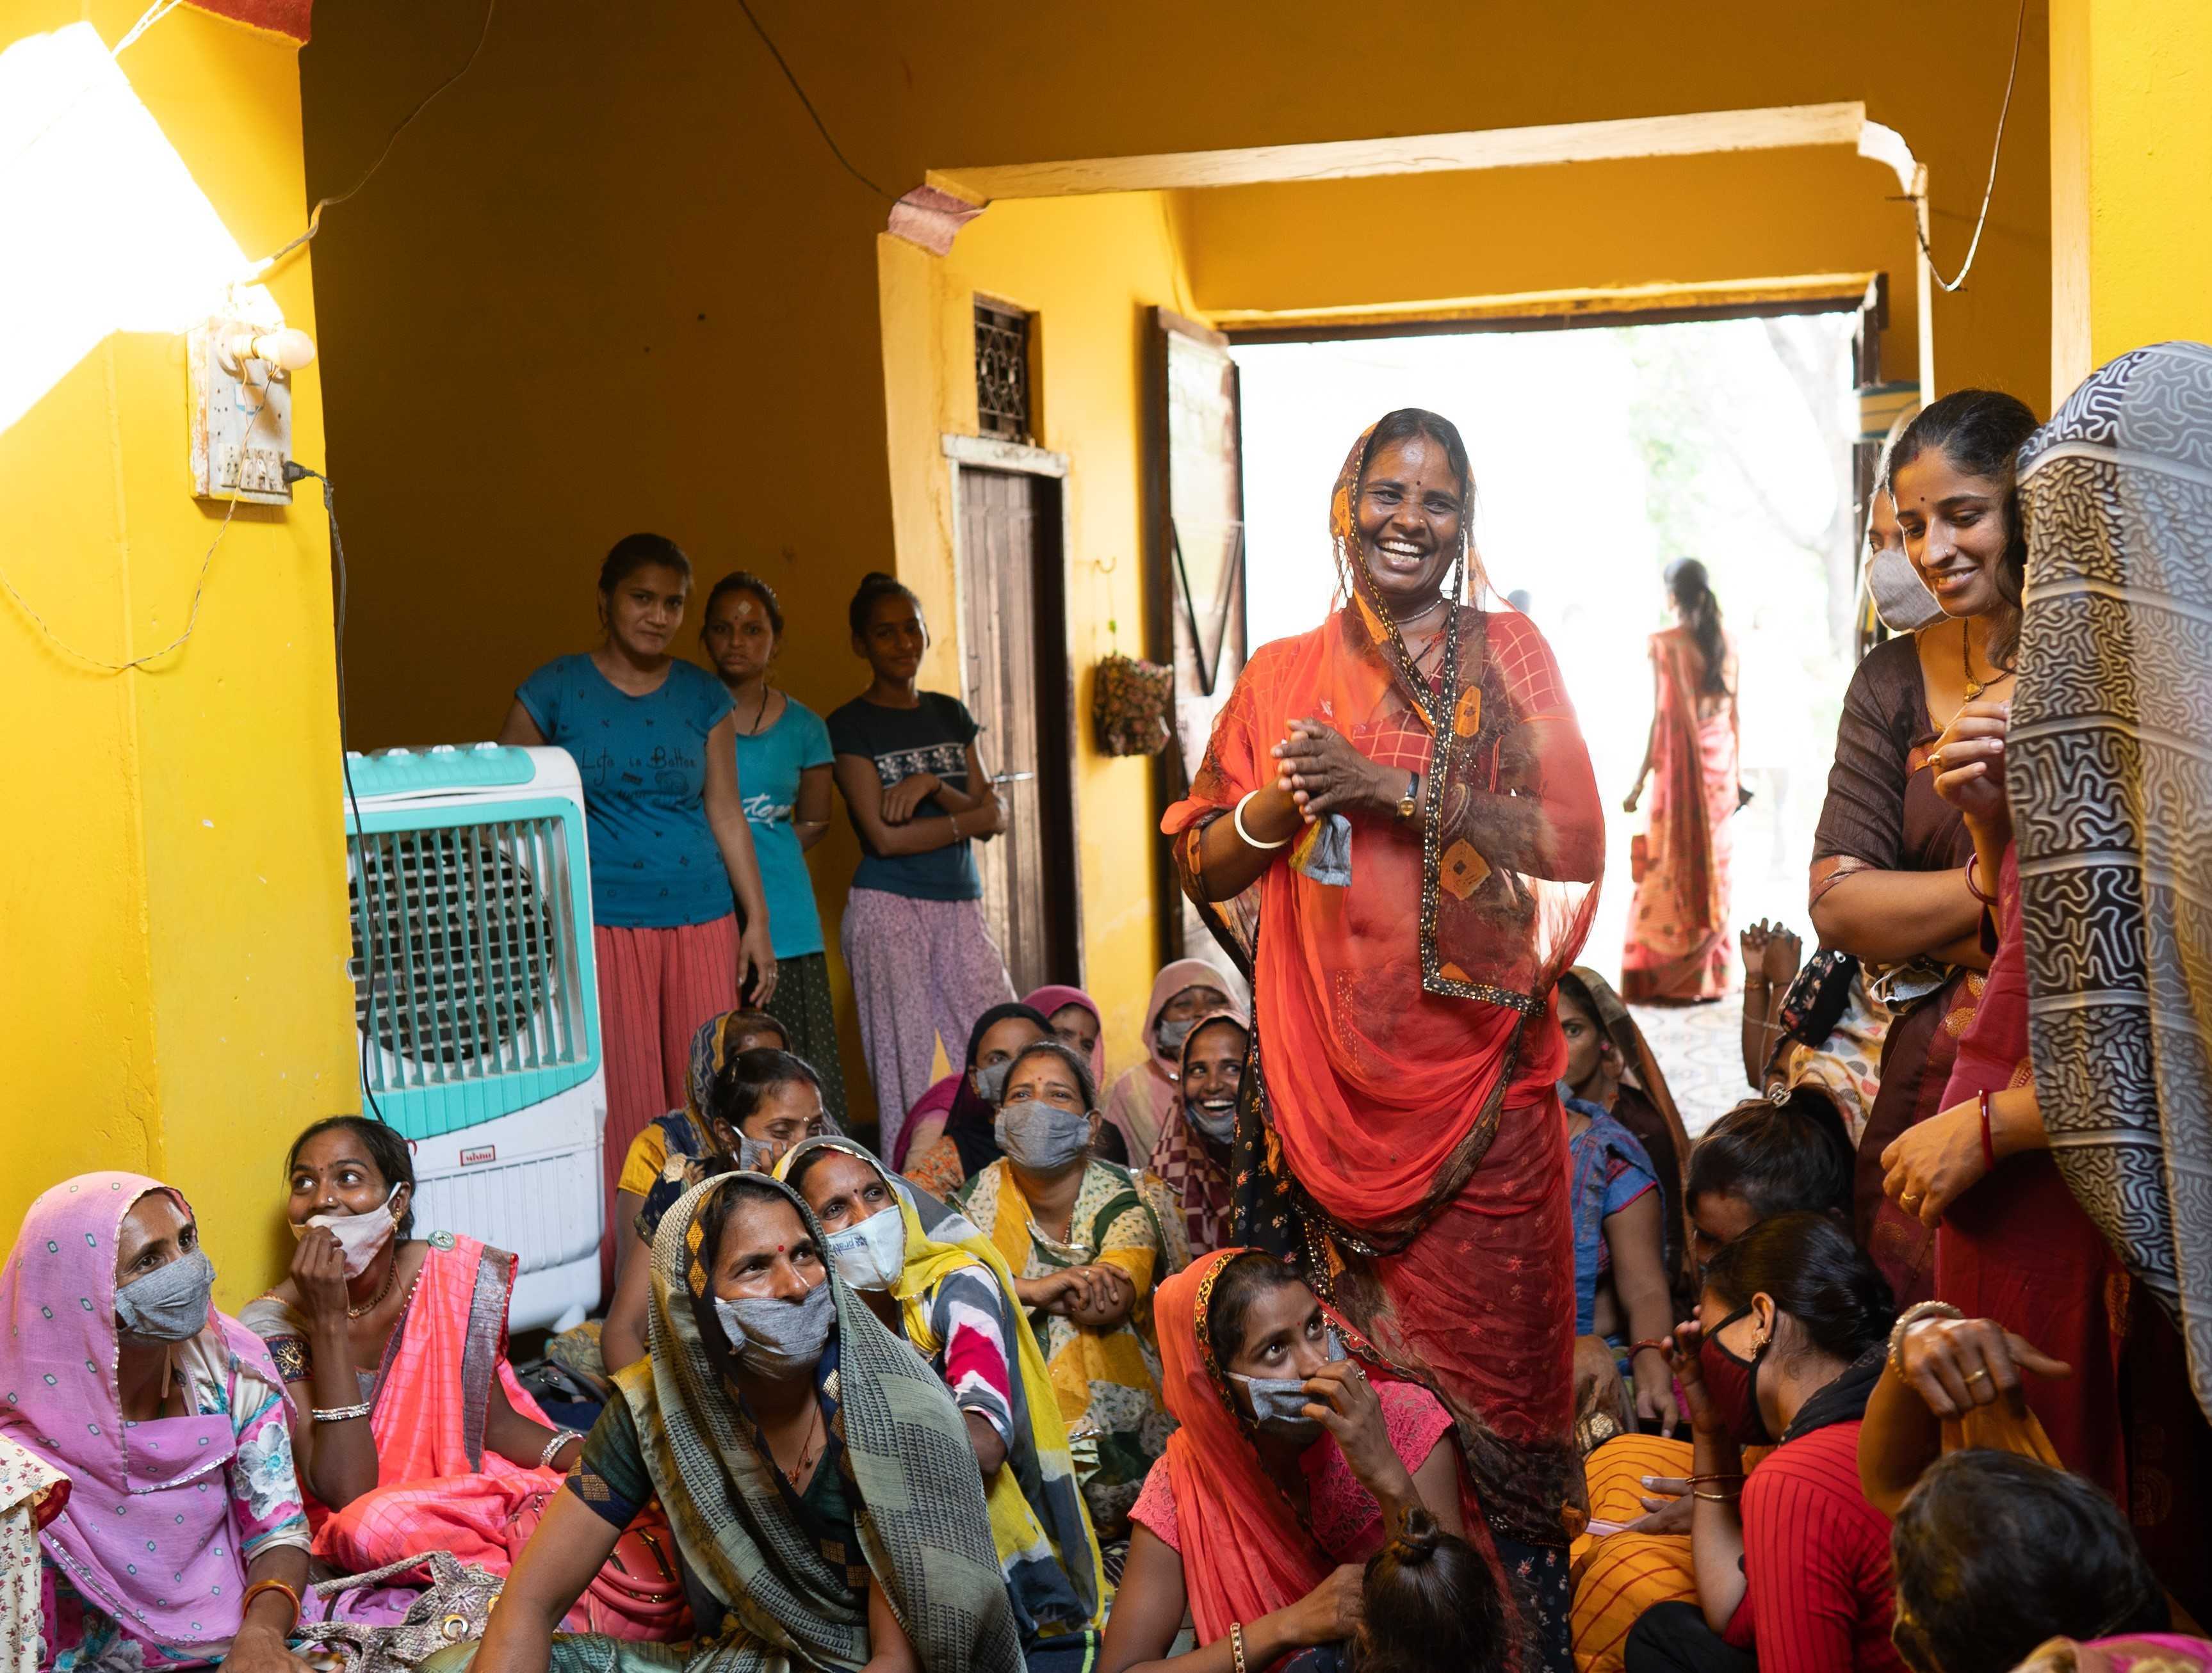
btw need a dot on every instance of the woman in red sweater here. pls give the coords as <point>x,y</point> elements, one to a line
<point>1792,1562</point>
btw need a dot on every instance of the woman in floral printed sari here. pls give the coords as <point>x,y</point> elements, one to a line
<point>117,1372</point>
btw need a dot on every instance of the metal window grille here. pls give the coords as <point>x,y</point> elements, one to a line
<point>1002,372</point>
<point>464,954</point>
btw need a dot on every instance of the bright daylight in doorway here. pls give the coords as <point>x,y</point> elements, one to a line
<point>1600,455</point>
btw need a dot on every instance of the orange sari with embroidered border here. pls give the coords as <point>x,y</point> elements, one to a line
<point>1678,941</point>
<point>1399,1130</point>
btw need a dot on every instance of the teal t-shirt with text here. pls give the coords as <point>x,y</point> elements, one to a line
<point>643,760</point>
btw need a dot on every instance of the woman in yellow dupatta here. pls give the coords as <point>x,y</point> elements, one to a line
<point>950,1293</point>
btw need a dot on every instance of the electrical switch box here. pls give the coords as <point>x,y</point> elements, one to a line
<point>241,417</point>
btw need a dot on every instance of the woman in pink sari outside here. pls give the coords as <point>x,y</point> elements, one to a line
<point>411,1430</point>
<point>1678,924</point>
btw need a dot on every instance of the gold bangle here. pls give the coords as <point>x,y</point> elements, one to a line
<point>1237,1643</point>
<point>1717,1498</point>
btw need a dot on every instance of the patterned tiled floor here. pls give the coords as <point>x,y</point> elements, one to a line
<point>1700,1048</point>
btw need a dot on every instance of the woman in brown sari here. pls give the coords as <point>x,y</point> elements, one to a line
<point>1887,880</point>
<point>1678,924</point>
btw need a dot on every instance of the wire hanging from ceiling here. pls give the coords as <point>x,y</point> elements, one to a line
<point>315,215</point>
<point>1996,151</point>
<point>820,126</point>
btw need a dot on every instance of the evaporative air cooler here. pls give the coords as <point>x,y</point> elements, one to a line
<point>477,1003</point>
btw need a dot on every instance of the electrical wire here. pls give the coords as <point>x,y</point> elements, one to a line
<point>820,126</point>
<point>315,215</point>
<point>294,472</point>
<point>1996,151</point>
<point>199,588</point>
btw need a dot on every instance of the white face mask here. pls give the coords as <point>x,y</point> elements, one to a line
<point>873,1254</point>
<point>359,1235</point>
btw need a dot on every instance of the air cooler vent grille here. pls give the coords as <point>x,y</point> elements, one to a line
<point>465,958</point>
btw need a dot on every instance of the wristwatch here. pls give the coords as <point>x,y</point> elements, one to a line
<point>1410,803</point>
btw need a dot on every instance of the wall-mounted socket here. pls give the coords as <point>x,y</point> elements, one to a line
<point>241,412</point>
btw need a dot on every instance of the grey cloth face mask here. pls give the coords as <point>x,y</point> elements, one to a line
<point>171,1303</point>
<point>1901,599</point>
<point>1219,1125</point>
<point>1042,1137</point>
<point>991,1083</point>
<point>755,1155</point>
<point>778,1339</point>
<point>1279,1404</point>
<point>1171,1036</point>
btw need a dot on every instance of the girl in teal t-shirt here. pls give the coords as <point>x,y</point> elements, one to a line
<point>671,856</point>
<point>783,763</point>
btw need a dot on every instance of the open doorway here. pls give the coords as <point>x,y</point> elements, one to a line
<point>1600,454</point>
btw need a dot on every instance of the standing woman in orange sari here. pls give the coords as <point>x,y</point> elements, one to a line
<point>1678,924</point>
<point>1396,832</point>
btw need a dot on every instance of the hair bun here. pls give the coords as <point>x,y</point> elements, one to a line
<point>1417,1539</point>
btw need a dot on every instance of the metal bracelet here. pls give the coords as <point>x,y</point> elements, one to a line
<point>561,1438</point>
<point>1905,1321</point>
<point>342,1414</point>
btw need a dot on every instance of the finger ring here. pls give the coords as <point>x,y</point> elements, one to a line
<point>1936,760</point>
<point>1909,1199</point>
<point>1978,1376</point>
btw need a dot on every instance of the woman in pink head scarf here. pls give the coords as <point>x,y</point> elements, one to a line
<point>1185,990</point>
<point>116,1370</point>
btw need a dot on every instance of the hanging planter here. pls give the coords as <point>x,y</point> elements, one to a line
<point>1130,701</point>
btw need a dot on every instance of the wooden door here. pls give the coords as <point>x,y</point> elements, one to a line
<point>1194,578</point>
<point>1015,631</point>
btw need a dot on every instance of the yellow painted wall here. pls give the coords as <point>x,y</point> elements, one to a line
<point>173,925</point>
<point>675,316</point>
<point>1089,270</point>
<point>2131,157</point>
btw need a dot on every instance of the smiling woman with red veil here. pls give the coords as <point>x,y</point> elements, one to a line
<point>1396,831</point>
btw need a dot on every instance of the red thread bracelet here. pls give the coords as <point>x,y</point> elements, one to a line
<point>1989,1140</point>
<point>1652,1342</point>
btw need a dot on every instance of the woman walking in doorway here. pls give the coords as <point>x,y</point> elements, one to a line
<point>672,860</point>
<point>1677,924</point>
<point>783,763</point>
<point>1406,877</point>
<point>923,962</point>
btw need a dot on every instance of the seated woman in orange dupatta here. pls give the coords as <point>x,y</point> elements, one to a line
<point>1678,924</point>
<point>1293,1464</point>
<point>410,1430</point>
<point>1398,1127</point>
<point>1192,1158</point>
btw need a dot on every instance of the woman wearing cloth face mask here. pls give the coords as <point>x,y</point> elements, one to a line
<point>1292,1466</point>
<point>1887,880</point>
<point>968,1139</point>
<point>761,1102</point>
<point>1792,1562</point>
<point>182,1543</point>
<point>378,1335</point>
<point>1071,1015</point>
<point>950,1294</point>
<point>1085,1248</point>
<point>1192,1158</point>
<point>1145,1095</point>
<point>820,1481</point>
